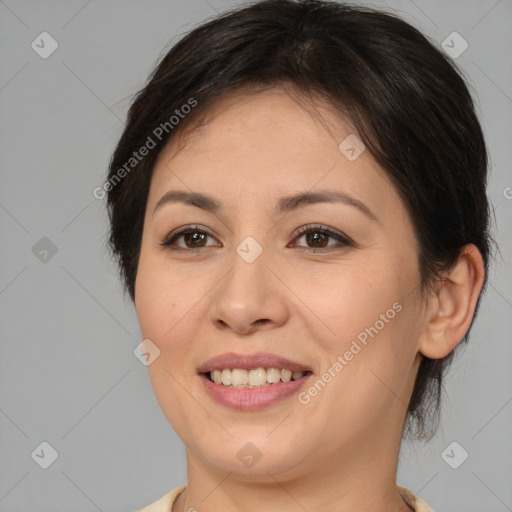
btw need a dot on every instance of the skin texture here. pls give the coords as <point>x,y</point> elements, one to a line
<point>339,452</point>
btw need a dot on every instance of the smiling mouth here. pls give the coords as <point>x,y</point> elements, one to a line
<point>241,378</point>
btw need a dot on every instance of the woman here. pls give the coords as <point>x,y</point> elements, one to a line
<point>298,209</point>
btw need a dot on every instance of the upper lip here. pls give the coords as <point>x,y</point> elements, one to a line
<point>251,362</point>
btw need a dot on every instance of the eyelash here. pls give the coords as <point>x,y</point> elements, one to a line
<point>343,241</point>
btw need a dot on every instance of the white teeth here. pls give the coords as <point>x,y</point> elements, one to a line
<point>239,377</point>
<point>273,375</point>
<point>258,377</point>
<point>286,375</point>
<point>226,377</point>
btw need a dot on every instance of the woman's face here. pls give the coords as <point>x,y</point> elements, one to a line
<point>246,286</point>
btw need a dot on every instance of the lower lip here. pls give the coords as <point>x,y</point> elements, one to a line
<point>249,399</point>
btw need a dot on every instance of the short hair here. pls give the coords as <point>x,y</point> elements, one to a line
<point>408,102</point>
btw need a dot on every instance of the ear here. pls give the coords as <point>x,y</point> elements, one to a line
<point>452,306</point>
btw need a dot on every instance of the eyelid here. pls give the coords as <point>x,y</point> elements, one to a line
<point>320,227</point>
<point>180,229</point>
<point>337,235</point>
<point>183,230</point>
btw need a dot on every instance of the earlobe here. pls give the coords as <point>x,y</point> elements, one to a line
<point>452,309</point>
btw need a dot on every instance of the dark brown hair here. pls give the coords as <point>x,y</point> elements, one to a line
<point>409,104</point>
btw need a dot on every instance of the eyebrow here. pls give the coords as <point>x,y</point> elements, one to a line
<point>284,205</point>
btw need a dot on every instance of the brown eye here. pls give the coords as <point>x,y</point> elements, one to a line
<point>193,238</point>
<point>317,238</point>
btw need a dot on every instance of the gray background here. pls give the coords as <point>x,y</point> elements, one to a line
<point>68,375</point>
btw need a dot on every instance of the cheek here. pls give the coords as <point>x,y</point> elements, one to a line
<point>366,317</point>
<point>165,308</point>
<point>352,303</point>
<point>162,297</point>
<point>170,304</point>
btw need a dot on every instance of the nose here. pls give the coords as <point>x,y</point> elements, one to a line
<point>249,297</point>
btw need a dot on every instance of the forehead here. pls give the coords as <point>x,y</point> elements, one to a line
<point>273,141</point>
<point>269,118</point>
